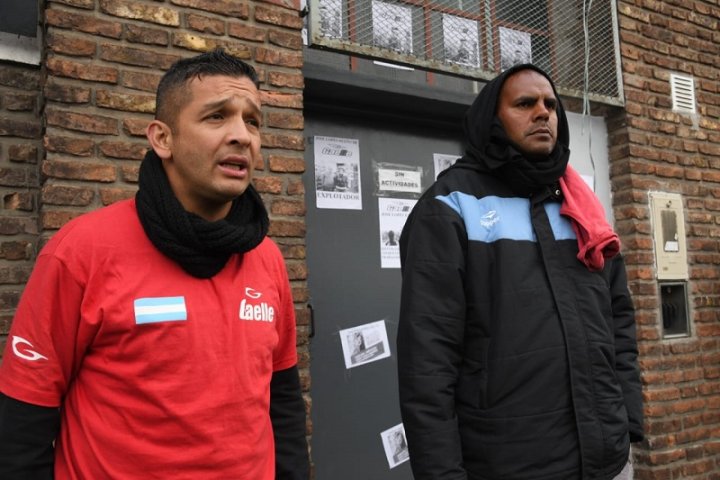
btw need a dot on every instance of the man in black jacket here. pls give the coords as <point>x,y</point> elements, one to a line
<point>517,356</point>
<point>156,337</point>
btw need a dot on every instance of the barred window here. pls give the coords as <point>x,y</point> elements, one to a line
<point>477,39</point>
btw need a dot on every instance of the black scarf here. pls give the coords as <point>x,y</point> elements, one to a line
<point>202,248</point>
<point>489,149</point>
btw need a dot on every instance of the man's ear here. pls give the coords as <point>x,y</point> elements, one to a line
<point>160,137</point>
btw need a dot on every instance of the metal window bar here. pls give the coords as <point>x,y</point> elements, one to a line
<point>477,39</point>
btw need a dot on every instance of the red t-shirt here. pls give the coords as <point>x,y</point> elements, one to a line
<point>159,374</point>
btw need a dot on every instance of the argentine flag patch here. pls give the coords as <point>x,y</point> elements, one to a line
<point>160,309</point>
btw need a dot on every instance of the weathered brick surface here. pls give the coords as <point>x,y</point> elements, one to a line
<point>20,142</point>
<point>658,149</point>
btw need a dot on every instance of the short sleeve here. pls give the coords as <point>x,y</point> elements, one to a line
<point>40,354</point>
<point>285,354</point>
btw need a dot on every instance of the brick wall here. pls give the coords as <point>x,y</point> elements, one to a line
<point>656,149</point>
<point>104,59</point>
<point>20,147</point>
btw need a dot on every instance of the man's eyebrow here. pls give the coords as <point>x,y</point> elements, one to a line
<point>218,104</point>
<point>214,105</point>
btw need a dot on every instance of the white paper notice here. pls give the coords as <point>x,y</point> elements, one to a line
<point>392,212</point>
<point>395,445</point>
<point>394,180</point>
<point>364,344</point>
<point>337,173</point>
<point>442,161</point>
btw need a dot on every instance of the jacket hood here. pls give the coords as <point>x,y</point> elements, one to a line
<point>482,112</point>
<point>489,149</point>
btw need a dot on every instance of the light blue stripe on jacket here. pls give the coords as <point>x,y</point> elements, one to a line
<point>492,218</point>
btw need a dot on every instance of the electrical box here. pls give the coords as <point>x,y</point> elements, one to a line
<point>668,229</point>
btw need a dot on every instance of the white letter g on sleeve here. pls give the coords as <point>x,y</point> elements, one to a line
<point>25,353</point>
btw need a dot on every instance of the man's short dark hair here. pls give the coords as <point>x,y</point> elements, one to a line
<point>173,92</point>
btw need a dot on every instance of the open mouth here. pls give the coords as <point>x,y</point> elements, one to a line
<point>233,166</point>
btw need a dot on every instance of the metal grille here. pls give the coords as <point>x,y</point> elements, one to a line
<point>479,38</point>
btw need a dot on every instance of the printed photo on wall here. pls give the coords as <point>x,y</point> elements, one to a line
<point>515,47</point>
<point>393,213</point>
<point>331,18</point>
<point>392,27</point>
<point>443,161</point>
<point>395,445</point>
<point>337,173</point>
<point>364,344</point>
<point>460,37</point>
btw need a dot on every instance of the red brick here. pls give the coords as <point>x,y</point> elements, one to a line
<point>279,57</point>
<point>205,24</point>
<point>268,184</point>
<point>140,11</point>
<point>288,207</point>
<point>284,79</point>
<point>112,195</point>
<point>285,39</point>
<point>80,22</point>
<point>25,153</point>
<point>66,93</point>
<point>144,81</point>
<point>231,8</point>
<point>20,102</point>
<point>286,119</point>
<point>126,150</point>
<point>79,146</point>
<point>82,122</point>
<point>288,142</point>
<point>135,127</point>
<point>81,71</point>
<point>136,56</point>
<point>246,32</point>
<point>287,228</point>
<point>146,35</point>
<point>16,250</point>
<point>68,195</point>
<point>69,45</point>
<point>79,170</point>
<point>13,127</point>
<point>21,201</point>
<point>55,219</point>
<point>278,16</point>
<point>285,164</point>
<point>125,101</point>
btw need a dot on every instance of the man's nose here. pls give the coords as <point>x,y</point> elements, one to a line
<point>541,111</point>
<point>238,132</point>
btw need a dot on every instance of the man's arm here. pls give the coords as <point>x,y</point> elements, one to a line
<point>430,339</point>
<point>287,413</point>
<point>27,433</point>
<point>626,352</point>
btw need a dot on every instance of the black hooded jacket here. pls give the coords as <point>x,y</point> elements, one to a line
<point>514,360</point>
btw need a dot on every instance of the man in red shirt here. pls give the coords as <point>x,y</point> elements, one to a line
<point>156,337</point>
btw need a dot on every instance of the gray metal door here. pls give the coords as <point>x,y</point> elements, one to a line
<point>348,287</point>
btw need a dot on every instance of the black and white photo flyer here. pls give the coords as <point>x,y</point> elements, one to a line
<point>337,173</point>
<point>395,445</point>
<point>365,343</point>
<point>392,27</point>
<point>515,47</point>
<point>460,36</point>
<point>392,212</point>
<point>331,18</point>
<point>442,161</point>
